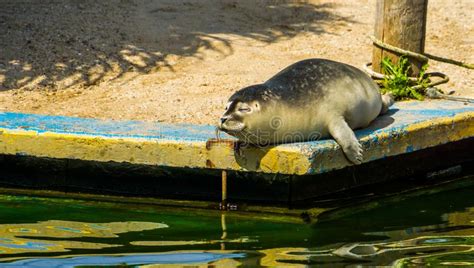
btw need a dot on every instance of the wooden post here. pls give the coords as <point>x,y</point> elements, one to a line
<point>400,23</point>
<point>224,190</point>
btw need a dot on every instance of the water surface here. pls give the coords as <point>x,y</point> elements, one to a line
<point>436,229</point>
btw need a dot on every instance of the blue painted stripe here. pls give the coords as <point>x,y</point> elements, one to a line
<point>395,122</point>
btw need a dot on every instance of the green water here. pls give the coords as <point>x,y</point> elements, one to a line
<point>436,229</point>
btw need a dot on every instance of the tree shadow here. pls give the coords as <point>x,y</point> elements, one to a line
<point>57,44</point>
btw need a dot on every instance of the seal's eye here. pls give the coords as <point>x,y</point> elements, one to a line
<point>244,110</point>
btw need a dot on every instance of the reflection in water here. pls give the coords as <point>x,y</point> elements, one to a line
<point>436,229</point>
<point>424,251</point>
<point>285,256</point>
<point>192,242</point>
<point>444,236</point>
<point>13,236</point>
<point>224,228</point>
<point>221,241</point>
<point>130,260</point>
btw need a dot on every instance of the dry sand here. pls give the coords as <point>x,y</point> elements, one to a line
<point>179,61</point>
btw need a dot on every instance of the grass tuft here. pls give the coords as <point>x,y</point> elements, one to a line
<point>398,83</point>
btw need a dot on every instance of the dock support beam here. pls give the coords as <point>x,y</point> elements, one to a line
<point>224,190</point>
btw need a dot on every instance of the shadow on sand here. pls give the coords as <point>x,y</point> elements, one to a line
<point>54,44</point>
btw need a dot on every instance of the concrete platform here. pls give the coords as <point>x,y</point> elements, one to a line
<point>408,127</point>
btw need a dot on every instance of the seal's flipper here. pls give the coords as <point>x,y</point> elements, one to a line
<point>346,138</point>
<point>387,101</point>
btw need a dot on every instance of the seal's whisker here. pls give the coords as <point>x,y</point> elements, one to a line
<point>218,134</point>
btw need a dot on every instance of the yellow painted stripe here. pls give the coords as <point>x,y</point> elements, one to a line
<point>286,159</point>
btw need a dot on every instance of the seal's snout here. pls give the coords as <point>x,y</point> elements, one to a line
<point>222,121</point>
<point>228,124</point>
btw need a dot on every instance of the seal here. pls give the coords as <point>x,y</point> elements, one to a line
<point>308,100</point>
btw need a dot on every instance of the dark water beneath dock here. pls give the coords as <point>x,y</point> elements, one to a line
<point>435,229</point>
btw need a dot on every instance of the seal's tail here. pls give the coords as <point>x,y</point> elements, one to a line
<point>387,101</point>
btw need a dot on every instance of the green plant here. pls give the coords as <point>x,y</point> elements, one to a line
<point>398,82</point>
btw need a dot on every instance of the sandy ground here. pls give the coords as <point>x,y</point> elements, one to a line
<point>179,61</point>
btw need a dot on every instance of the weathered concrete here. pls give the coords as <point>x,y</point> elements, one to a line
<point>408,127</point>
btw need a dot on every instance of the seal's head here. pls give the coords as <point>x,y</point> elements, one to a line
<point>241,108</point>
